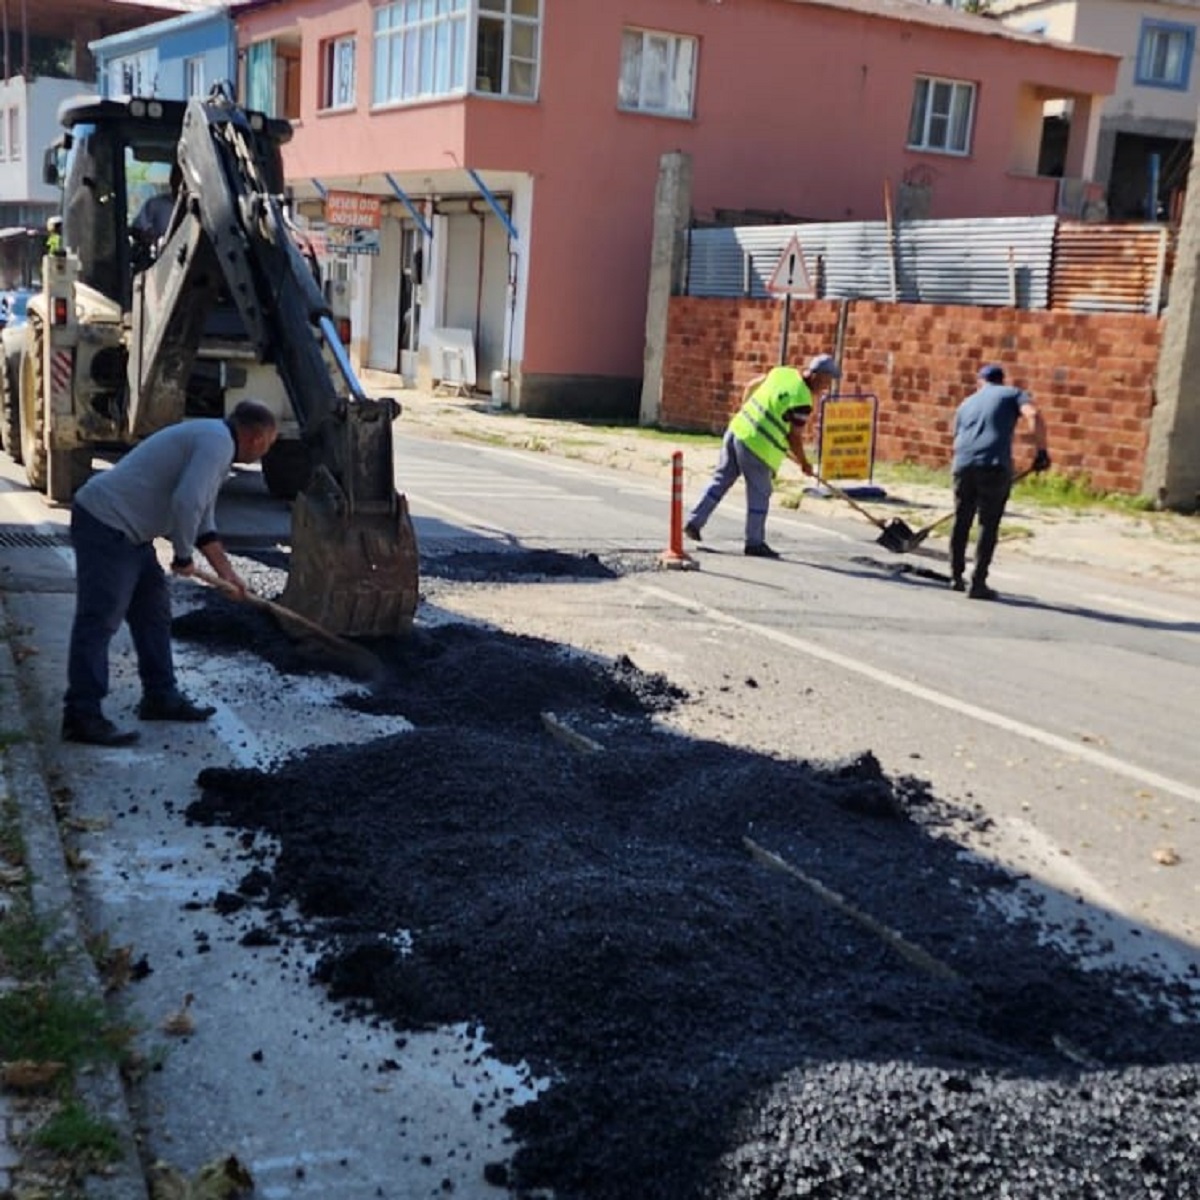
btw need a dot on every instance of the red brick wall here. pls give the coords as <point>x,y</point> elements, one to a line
<point>1091,374</point>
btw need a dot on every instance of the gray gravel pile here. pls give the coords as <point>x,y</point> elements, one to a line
<point>713,1027</point>
<point>851,1129</point>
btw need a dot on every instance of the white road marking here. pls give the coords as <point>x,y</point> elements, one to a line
<point>1150,610</point>
<point>1088,754</point>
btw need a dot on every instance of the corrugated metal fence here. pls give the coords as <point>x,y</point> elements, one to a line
<point>1020,262</point>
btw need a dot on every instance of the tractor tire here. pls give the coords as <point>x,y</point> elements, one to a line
<point>66,472</point>
<point>33,408</point>
<point>10,410</point>
<point>287,469</point>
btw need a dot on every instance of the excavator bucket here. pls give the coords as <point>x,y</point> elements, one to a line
<point>353,571</point>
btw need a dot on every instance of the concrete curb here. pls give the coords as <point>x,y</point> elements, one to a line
<point>25,778</point>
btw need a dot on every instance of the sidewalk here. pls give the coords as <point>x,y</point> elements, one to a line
<point>25,795</point>
<point>1160,548</point>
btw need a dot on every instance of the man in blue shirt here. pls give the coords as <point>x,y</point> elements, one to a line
<point>984,425</point>
<point>166,486</point>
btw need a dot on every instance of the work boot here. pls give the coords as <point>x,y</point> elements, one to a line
<point>760,550</point>
<point>173,706</point>
<point>958,584</point>
<point>692,531</point>
<point>981,591</point>
<point>95,729</point>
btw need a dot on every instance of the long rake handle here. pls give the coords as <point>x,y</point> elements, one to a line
<point>858,508</point>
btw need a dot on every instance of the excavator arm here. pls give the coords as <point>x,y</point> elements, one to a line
<point>354,556</point>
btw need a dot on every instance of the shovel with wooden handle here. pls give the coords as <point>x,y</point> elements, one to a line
<point>915,539</point>
<point>894,534</point>
<point>356,660</point>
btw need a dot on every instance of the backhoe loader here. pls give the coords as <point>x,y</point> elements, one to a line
<point>125,338</point>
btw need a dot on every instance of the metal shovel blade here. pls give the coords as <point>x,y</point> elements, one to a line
<point>897,536</point>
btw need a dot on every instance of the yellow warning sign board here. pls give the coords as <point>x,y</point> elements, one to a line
<point>846,446</point>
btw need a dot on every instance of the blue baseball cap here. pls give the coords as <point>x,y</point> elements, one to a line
<point>992,373</point>
<point>823,364</point>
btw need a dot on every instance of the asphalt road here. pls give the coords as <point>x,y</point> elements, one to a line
<point>1065,715</point>
<point>1065,710</point>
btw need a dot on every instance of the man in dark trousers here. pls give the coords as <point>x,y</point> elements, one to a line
<point>984,425</point>
<point>165,487</point>
<point>768,428</point>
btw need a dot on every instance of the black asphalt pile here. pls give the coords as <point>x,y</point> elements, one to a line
<point>220,623</point>
<point>487,566</point>
<point>853,1021</point>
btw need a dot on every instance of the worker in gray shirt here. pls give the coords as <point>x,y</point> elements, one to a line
<point>165,487</point>
<point>984,425</point>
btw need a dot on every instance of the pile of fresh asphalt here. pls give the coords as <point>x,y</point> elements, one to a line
<point>857,1023</point>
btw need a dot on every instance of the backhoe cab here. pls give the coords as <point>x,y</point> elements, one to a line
<point>130,334</point>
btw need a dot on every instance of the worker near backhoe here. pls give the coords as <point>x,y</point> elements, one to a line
<point>54,241</point>
<point>766,429</point>
<point>166,486</point>
<point>984,425</point>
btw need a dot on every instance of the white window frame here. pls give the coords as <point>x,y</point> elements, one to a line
<point>194,76</point>
<point>3,137</point>
<point>518,24</point>
<point>14,133</point>
<point>133,75</point>
<point>338,73</point>
<point>657,73</point>
<point>942,118</point>
<point>421,50</point>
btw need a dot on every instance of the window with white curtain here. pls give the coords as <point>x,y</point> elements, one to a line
<point>658,73</point>
<point>429,48</point>
<point>421,49</point>
<point>133,75</point>
<point>943,111</point>
<point>337,73</point>
<point>1165,55</point>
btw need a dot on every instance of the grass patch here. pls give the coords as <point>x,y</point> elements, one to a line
<point>1077,492</point>
<point>73,1132</point>
<point>45,1023</point>
<point>23,941</point>
<point>1049,489</point>
<point>50,1033</point>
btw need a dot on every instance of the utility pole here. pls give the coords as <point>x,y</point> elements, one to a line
<point>1172,471</point>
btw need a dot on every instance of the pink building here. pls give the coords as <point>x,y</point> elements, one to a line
<point>514,148</point>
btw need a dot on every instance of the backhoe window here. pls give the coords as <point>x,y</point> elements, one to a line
<point>143,179</point>
<point>93,214</point>
<point>151,199</point>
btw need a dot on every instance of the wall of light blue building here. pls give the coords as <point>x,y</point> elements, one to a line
<point>171,59</point>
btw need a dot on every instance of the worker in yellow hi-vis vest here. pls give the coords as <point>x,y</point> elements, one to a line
<point>763,432</point>
<point>54,242</point>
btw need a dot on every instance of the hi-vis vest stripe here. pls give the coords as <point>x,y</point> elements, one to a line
<point>760,425</point>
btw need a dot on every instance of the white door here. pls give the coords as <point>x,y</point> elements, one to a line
<point>476,286</point>
<point>383,335</point>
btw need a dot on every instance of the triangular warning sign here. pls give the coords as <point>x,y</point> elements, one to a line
<point>790,277</point>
